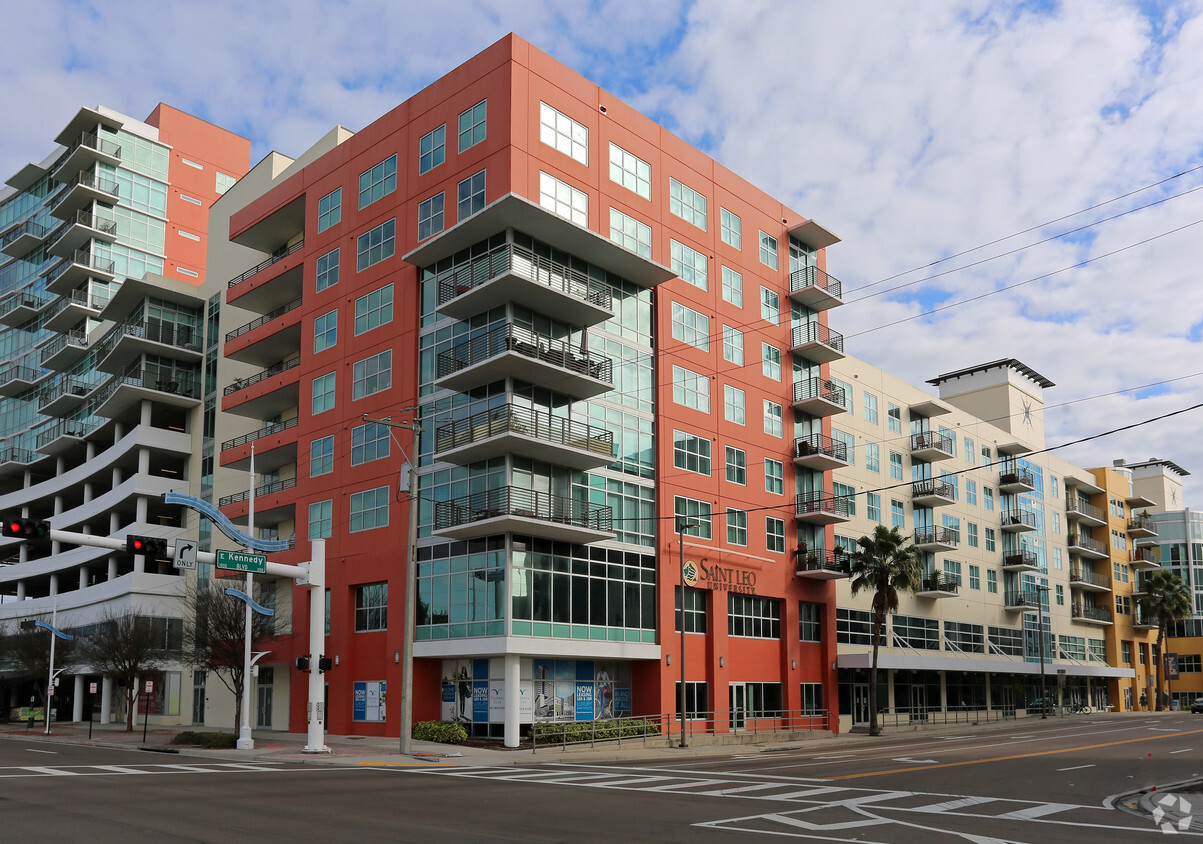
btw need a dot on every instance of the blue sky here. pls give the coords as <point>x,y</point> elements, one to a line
<point>912,136</point>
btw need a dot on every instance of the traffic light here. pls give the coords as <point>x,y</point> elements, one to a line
<point>151,546</point>
<point>303,664</point>
<point>323,663</point>
<point>34,531</point>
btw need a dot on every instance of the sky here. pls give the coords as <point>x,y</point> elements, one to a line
<point>917,132</point>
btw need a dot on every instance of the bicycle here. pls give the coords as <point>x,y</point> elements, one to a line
<point>1080,709</point>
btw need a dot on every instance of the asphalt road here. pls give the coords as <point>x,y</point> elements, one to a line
<point>1056,781</point>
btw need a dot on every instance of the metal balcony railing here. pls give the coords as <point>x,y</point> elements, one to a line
<point>83,218</point>
<point>1142,523</point>
<point>167,333</point>
<point>12,454</point>
<point>924,440</point>
<point>81,298</point>
<point>1022,598</point>
<point>83,258</point>
<point>180,383</point>
<point>29,227</point>
<point>939,582</point>
<point>818,388</point>
<point>279,255</point>
<point>1091,613</point>
<point>808,503</point>
<point>87,179</point>
<point>78,428</point>
<point>513,501</point>
<point>1024,557</point>
<point>1146,554</point>
<point>23,299</point>
<point>68,386</point>
<point>90,140</point>
<point>71,338</point>
<point>813,332</point>
<point>1077,505</point>
<point>524,262</point>
<point>814,277</point>
<point>260,491</point>
<point>507,337</point>
<point>270,372</point>
<point>1084,576</point>
<point>820,444</point>
<point>823,559</point>
<point>1011,475</point>
<point>937,536</point>
<point>263,320</point>
<point>538,424</point>
<point>17,372</point>
<point>931,486</point>
<point>1077,540</point>
<point>1018,516</point>
<point>266,431</point>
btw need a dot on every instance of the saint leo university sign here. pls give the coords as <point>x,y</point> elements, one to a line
<point>707,575</point>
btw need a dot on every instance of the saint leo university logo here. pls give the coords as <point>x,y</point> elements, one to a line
<point>689,573</point>
<point>1177,805</point>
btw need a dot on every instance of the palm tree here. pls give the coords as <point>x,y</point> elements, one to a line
<point>883,564</point>
<point>1166,599</point>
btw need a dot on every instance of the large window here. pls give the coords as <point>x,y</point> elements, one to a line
<point>695,610</point>
<point>630,171</point>
<point>772,418</point>
<point>561,132</point>
<point>733,345</point>
<point>853,627</point>
<point>696,704</point>
<point>430,216</point>
<point>692,327</point>
<point>369,509</point>
<point>374,310</point>
<point>369,442</point>
<point>376,245</point>
<point>768,250</point>
<point>730,228</point>
<point>691,453</point>
<point>470,196</point>
<point>432,149</point>
<point>372,375</point>
<point>966,638</point>
<point>733,287</point>
<point>697,512</point>
<point>770,361</point>
<point>774,476</point>
<point>321,456</point>
<point>377,182</point>
<point>327,270</point>
<point>630,233</point>
<point>733,404</point>
<point>473,125</point>
<point>320,519</point>
<point>329,209</point>
<point>770,305</point>
<point>811,701</point>
<point>563,199</point>
<point>810,622</point>
<point>737,466</point>
<point>371,607</point>
<point>916,632</point>
<point>323,393</point>
<point>688,263</point>
<point>325,331</point>
<point>754,617</point>
<point>687,204</point>
<point>737,526</point>
<point>691,389</point>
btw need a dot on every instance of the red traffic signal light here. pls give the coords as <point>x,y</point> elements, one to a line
<point>33,530</point>
<point>151,546</point>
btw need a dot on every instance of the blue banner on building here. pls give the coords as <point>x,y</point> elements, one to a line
<point>480,700</point>
<point>584,701</point>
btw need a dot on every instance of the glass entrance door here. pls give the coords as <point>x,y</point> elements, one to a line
<point>860,703</point>
<point>198,697</point>
<point>739,706</point>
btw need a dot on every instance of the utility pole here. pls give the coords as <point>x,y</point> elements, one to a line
<point>683,524</point>
<point>410,474</point>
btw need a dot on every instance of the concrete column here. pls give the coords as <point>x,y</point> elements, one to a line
<point>21,588</point>
<point>56,547</point>
<point>83,582</point>
<point>89,450</point>
<point>106,698</point>
<point>118,432</point>
<point>144,414</point>
<point>513,687</point>
<point>88,489</point>
<point>943,691</point>
<point>140,517</point>
<point>54,584</point>
<point>143,461</point>
<point>111,574</point>
<point>77,707</point>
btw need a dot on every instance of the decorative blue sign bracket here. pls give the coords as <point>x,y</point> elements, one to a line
<point>223,524</point>
<point>242,596</point>
<point>65,636</point>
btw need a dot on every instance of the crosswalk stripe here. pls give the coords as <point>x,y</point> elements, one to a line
<point>1037,811</point>
<point>53,772</point>
<point>954,804</point>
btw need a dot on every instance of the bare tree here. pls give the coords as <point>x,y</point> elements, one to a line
<point>27,648</point>
<point>215,631</point>
<point>125,646</point>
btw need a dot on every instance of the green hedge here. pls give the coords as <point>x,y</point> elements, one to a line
<point>216,741</point>
<point>573,731</point>
<point>440,731</point>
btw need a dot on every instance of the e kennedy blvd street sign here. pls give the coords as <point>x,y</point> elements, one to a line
<point>239,561</point>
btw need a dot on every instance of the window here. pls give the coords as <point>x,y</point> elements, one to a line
<point>733,345</point>
<point>990,543</point>
<point>563,200</point>
<point>768,250</point>
<point>327,270</point>
<point>380,181</point>
<point>733,404</point>
<point>895,465</point>
<point>737,527</point>
<point>1058,560</point>
<point>737,466</point>
<point>696,700</point>
<point>853,627</point>
<point>323,393</point>
<point>873,457</point>
<point>975,577</point>
<point>690,327</point>
<point>839,490</point>
<point>697,512</point>
<point>966,638</point>
<point>374,310</point>
<point>870,408</point>
<point>772,418</point>
<point>472,125</point>
<point>873,506</point>
<point>372,375</point>
<point>691,453</point>
<point>695,610</point>
<point>730,228</point>
<point>770,361</point>
<point>369,442</point>
<point>321,456</point>
<point>917,632</point>
<point>430,216</point>
<point>897,514</point>
<point>687,204</point>
<point>846,389</point>
<point>848,442</point>
<point>376,245</point>
<point>774,476</point>
<point>320,518</point>
<point>770,305</point>
<point>687,263</point>
<point>774,532</point>
<point>470,196</point>
<point>223,183</point>
<point>630,234</point>
<point>432,149</point>
<point>970,451</point>
<point>970,491</point>
<point>630,171</point>
<point>988,498</point>
<point>971,532</point>
<point>561,132</point>
<point>1056,519</point>
<point>1126,651</point>
<point>811,698</point>
<point>329,209</point>
<point>371,607</point>
<point>754,617</point>
<point>369,509</point>
<point>691,389</point>
<point>733,287</point>
<point>810,622</point>
<point>325,331</point>
<point>1060,595</point>
<point>992,581</point>
<point>894,417</point>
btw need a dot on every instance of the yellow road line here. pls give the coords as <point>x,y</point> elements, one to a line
<point>1006,758</point>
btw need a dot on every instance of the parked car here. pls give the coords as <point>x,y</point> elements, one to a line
<point>1197,706</point>
<point>1049,705</point>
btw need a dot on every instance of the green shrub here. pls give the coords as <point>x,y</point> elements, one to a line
<point>568,732</point>
<point>440,731</point>
<point>214,741</point>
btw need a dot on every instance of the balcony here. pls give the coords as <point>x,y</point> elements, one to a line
<point>66,434</point>
<point>18,456</point>
<point>67,394</point>
<point>132,387</point>
<point>77,268</point>
<point>1023,560</point>
<point>1092,615</point>
<point>1146,558</point>
<point>270,283</point>
<point>1139,587</point>
<point>823,564</point>
<point>261,491</point>
<point>1013,480</point>
<point>511,350</point>
<point>82,227</point>
<point>931,446</point>
<point>1144,622</point>
<point>274,503</point>
<point>87,150</point>
<point>937,538</point>
<point>812,287</point>
<point>512,273</point>
<point>1017,520</point>
<point>1022,600</point>
<point>16,379</point>
<point>1087,547</point>
<point>266,393</point>
<point>64,350</point>
<point>514,510</point>
<point>275,445</point>
<point>1084,513</point>
<point>1142,527</point>
<point>70,309</point>
<point>822,508</point>
<point>818,397</point>
<point>817,342</point>
<point>536,434</point>
<point>820,453</point>
<point>1088,581</point>
<point>280,336</point>
<point>932,493</point>
<point>80,191</point>
<point>937,585</point>
<point>127,343</point>
<point>20,307</point>
<point>22,239</point>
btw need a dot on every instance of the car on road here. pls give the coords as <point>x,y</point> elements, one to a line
<point>1197,705</point>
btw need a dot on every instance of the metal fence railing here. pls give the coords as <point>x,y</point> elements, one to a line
<point>664,728</point>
